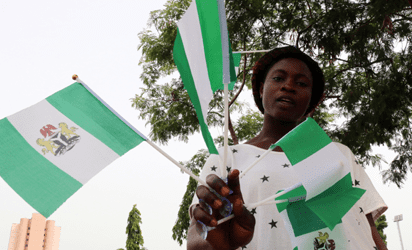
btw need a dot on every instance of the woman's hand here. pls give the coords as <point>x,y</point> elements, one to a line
<point>231,234</point>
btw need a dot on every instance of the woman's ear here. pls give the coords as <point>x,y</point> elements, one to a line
<point>261,90</point>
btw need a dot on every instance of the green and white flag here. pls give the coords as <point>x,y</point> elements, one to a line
<point>203,56</point>
<point>51,149</point>
<point>315,209</point>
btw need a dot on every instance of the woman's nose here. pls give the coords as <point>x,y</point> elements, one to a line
<point>288,85</point>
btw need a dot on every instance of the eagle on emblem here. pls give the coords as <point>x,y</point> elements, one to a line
<point>58,142</point>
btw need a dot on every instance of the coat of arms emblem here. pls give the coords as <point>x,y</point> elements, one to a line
<point>323,242</point>
<point>58,142</point>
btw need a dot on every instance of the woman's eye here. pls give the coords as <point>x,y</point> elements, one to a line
<point>277,78</point>
<point>302,83</point>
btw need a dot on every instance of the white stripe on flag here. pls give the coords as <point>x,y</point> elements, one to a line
<point>89,151</point>
<point>190,32</point>
<point>322,170</point>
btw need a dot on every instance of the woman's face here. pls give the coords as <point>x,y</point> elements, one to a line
<point>287,90</point>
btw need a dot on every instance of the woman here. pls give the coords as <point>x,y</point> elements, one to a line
<point>287,87</point>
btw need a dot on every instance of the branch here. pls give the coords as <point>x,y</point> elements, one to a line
<point>216,113</point>
<point>333,96</point>
<point>363,66</point>
<point>406,17</point>
<point>310,10</point>
<point>232,132</point>
<point>243,83</point>
<point>302,31</point>
<point>342,60</point>
<point>297,40</point>
<point>403,19</point>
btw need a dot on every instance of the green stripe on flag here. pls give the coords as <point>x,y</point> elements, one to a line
<point>234,63</point>
<point>80,106</point>
<point>332,204</point>
<point>182,64</point>
<point>25,167</point>
<point>303,141</point>
<point>209,23</point>
<point>303,219</point>
<point>325,210</point>
<point>236,60</point>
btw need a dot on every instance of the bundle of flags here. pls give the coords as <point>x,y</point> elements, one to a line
<point>51,149</point>
<point>326,194</point>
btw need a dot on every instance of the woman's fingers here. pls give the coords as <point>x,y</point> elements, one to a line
<point>217,184</point>
<point>203,193</point>
<point>201,214</point>
<point>233,182</point>
<point>243,217</point>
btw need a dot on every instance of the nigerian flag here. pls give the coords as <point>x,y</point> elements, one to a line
<point>315,209</point>
<point>203,56</point>
<point>51,149</point>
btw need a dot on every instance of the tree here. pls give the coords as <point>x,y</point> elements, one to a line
<point>381,224</point>
<point>134,233</point>
<point>371,88</point>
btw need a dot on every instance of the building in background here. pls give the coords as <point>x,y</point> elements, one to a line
<point>34,234</point>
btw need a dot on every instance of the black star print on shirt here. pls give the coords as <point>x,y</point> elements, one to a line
<point>285,165</point>
<point>213,168</point>
<point>253,211</point>
<point>375,248</point>
<point>265,178</point>
<point>258,156</point>
<point>357,183</point>
<point>228,169</point>
<point>244,247</point>
<point>273,224</point>
<point>361,210</point>
<point>234,150</point>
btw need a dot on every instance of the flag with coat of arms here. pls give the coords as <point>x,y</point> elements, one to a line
<point>315,209</point>
<point>51,149</point>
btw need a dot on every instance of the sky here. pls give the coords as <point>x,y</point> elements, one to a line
<point>43,44</point>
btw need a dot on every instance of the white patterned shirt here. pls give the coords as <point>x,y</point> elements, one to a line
<point>274,173</point>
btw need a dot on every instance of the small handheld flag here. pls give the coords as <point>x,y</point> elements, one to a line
<point>51,149</point>
<point>326,194</point>
<point>199,54</point>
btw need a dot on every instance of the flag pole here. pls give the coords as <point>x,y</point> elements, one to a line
<point>250,52</point>
<point>187,171</point>
<point>254,163</point>
<point>226,87</point>
<point>226,77</point>
<point>267,201</point>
